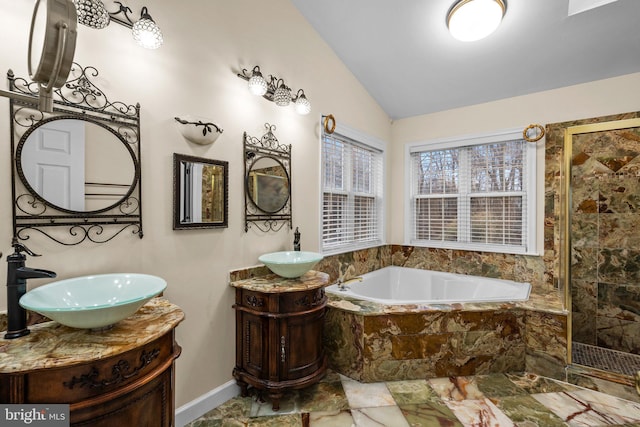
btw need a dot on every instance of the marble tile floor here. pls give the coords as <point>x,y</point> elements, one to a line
<point>523,400</point>
<point>605,359</point>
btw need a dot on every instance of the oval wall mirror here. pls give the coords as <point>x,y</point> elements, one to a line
<point>268,184</point>
<point>76,165</point>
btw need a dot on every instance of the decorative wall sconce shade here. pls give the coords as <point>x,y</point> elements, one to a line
<point>198,130</point>
<point>282,95</point>
<point>93,14</point>
<point>146,32</point>
<point>275,90</point>
<point>303,106</point>
<point>257,83</point>
<point>471,20</point>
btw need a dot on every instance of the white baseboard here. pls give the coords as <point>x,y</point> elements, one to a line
<point>208,401</point>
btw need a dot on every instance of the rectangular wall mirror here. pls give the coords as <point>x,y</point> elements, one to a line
<point>200,192</point>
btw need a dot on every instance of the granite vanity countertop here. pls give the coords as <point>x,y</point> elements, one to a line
<point>549,302</point>
<point>51,345</point>
<point>272,283</point>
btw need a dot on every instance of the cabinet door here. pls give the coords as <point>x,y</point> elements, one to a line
<point>148,406</point>
<point>255,344</point>
<point>302,343</point>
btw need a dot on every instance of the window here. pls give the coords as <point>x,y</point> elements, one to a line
<point>474,194</point>
<point>352,196</point>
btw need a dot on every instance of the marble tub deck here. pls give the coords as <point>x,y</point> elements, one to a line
<point>524,400</point>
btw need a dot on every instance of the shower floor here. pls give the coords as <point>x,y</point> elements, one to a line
<point>605,359</point>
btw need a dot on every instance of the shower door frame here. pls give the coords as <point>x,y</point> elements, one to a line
<point>566,213</point>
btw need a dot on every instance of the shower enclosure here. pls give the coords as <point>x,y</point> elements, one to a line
<point>600,243</point>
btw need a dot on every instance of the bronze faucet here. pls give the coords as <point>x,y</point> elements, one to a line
<point>17,275</point>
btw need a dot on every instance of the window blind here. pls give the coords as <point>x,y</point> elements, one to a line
<point>352,194</point>
<point>472,197</point>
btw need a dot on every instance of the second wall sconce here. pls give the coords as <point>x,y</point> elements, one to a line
<point>198,130</point>
<point>93,14</point>
<point>275,90</point>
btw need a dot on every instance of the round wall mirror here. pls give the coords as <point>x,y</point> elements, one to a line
<point>76,165</point>
<point>268,184</point>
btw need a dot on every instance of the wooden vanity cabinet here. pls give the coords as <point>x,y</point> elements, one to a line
<point>279,339</point>
<point>130,387</point>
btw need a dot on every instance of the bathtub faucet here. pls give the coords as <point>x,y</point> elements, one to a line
<point>343,284</point>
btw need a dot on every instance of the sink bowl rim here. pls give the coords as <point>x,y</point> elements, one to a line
<point>307,257</point>
<point>162,285</point>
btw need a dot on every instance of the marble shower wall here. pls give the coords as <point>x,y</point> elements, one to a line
<point>606,239</point>
<point>605,231</point>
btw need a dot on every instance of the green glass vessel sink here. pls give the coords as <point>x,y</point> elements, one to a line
<point>92,302</point>
<point>290,264</point>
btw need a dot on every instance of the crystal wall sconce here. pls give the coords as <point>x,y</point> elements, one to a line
<point>275,90</point>
<point>93,14</point>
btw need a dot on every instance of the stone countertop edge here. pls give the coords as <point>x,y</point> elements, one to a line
<point>52,345</point>
<point>272,283</point>
<point>548,303</point>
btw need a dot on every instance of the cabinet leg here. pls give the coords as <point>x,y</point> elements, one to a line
<point>275,400</point>
<point>243,388</point>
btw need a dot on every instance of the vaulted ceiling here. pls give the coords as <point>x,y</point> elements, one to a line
<point>403,54</point>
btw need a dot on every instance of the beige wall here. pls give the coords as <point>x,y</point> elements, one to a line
<point>603,97</point>
<point>194,73</point>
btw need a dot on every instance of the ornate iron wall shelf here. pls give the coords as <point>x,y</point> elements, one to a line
<point>267,171</point>
<point>70,200</point>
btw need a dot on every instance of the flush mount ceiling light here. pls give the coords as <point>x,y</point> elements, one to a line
<point>146,32</point>
<point>471,20</point>
<point>275,90</point>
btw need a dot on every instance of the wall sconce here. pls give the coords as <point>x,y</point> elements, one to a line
<point>146,32</point>
<point>275,90</point>
<point>198,130</point>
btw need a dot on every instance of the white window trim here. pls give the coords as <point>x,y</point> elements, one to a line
<point>470,140</point>
<point>373,142</point>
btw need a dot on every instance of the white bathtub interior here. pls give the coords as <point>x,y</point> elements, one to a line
<point>401,285</point>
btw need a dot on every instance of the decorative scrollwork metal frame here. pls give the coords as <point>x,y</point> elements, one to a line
<point>81,99</point>
<point>254,150</point>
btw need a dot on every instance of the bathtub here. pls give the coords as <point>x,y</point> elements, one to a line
<point>402,286</point>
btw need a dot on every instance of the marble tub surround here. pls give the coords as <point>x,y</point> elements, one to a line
<point>371,342</point>
<point>355,263</point>
<point>51,345</point>
<point>272,283</point>
<point>425,345</point>
<point>482,400</point>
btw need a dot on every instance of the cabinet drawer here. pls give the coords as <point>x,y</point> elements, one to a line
<point>295,302</point>
<point>79,382</point>
<point>255,301</point>
<point>280,303</point>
